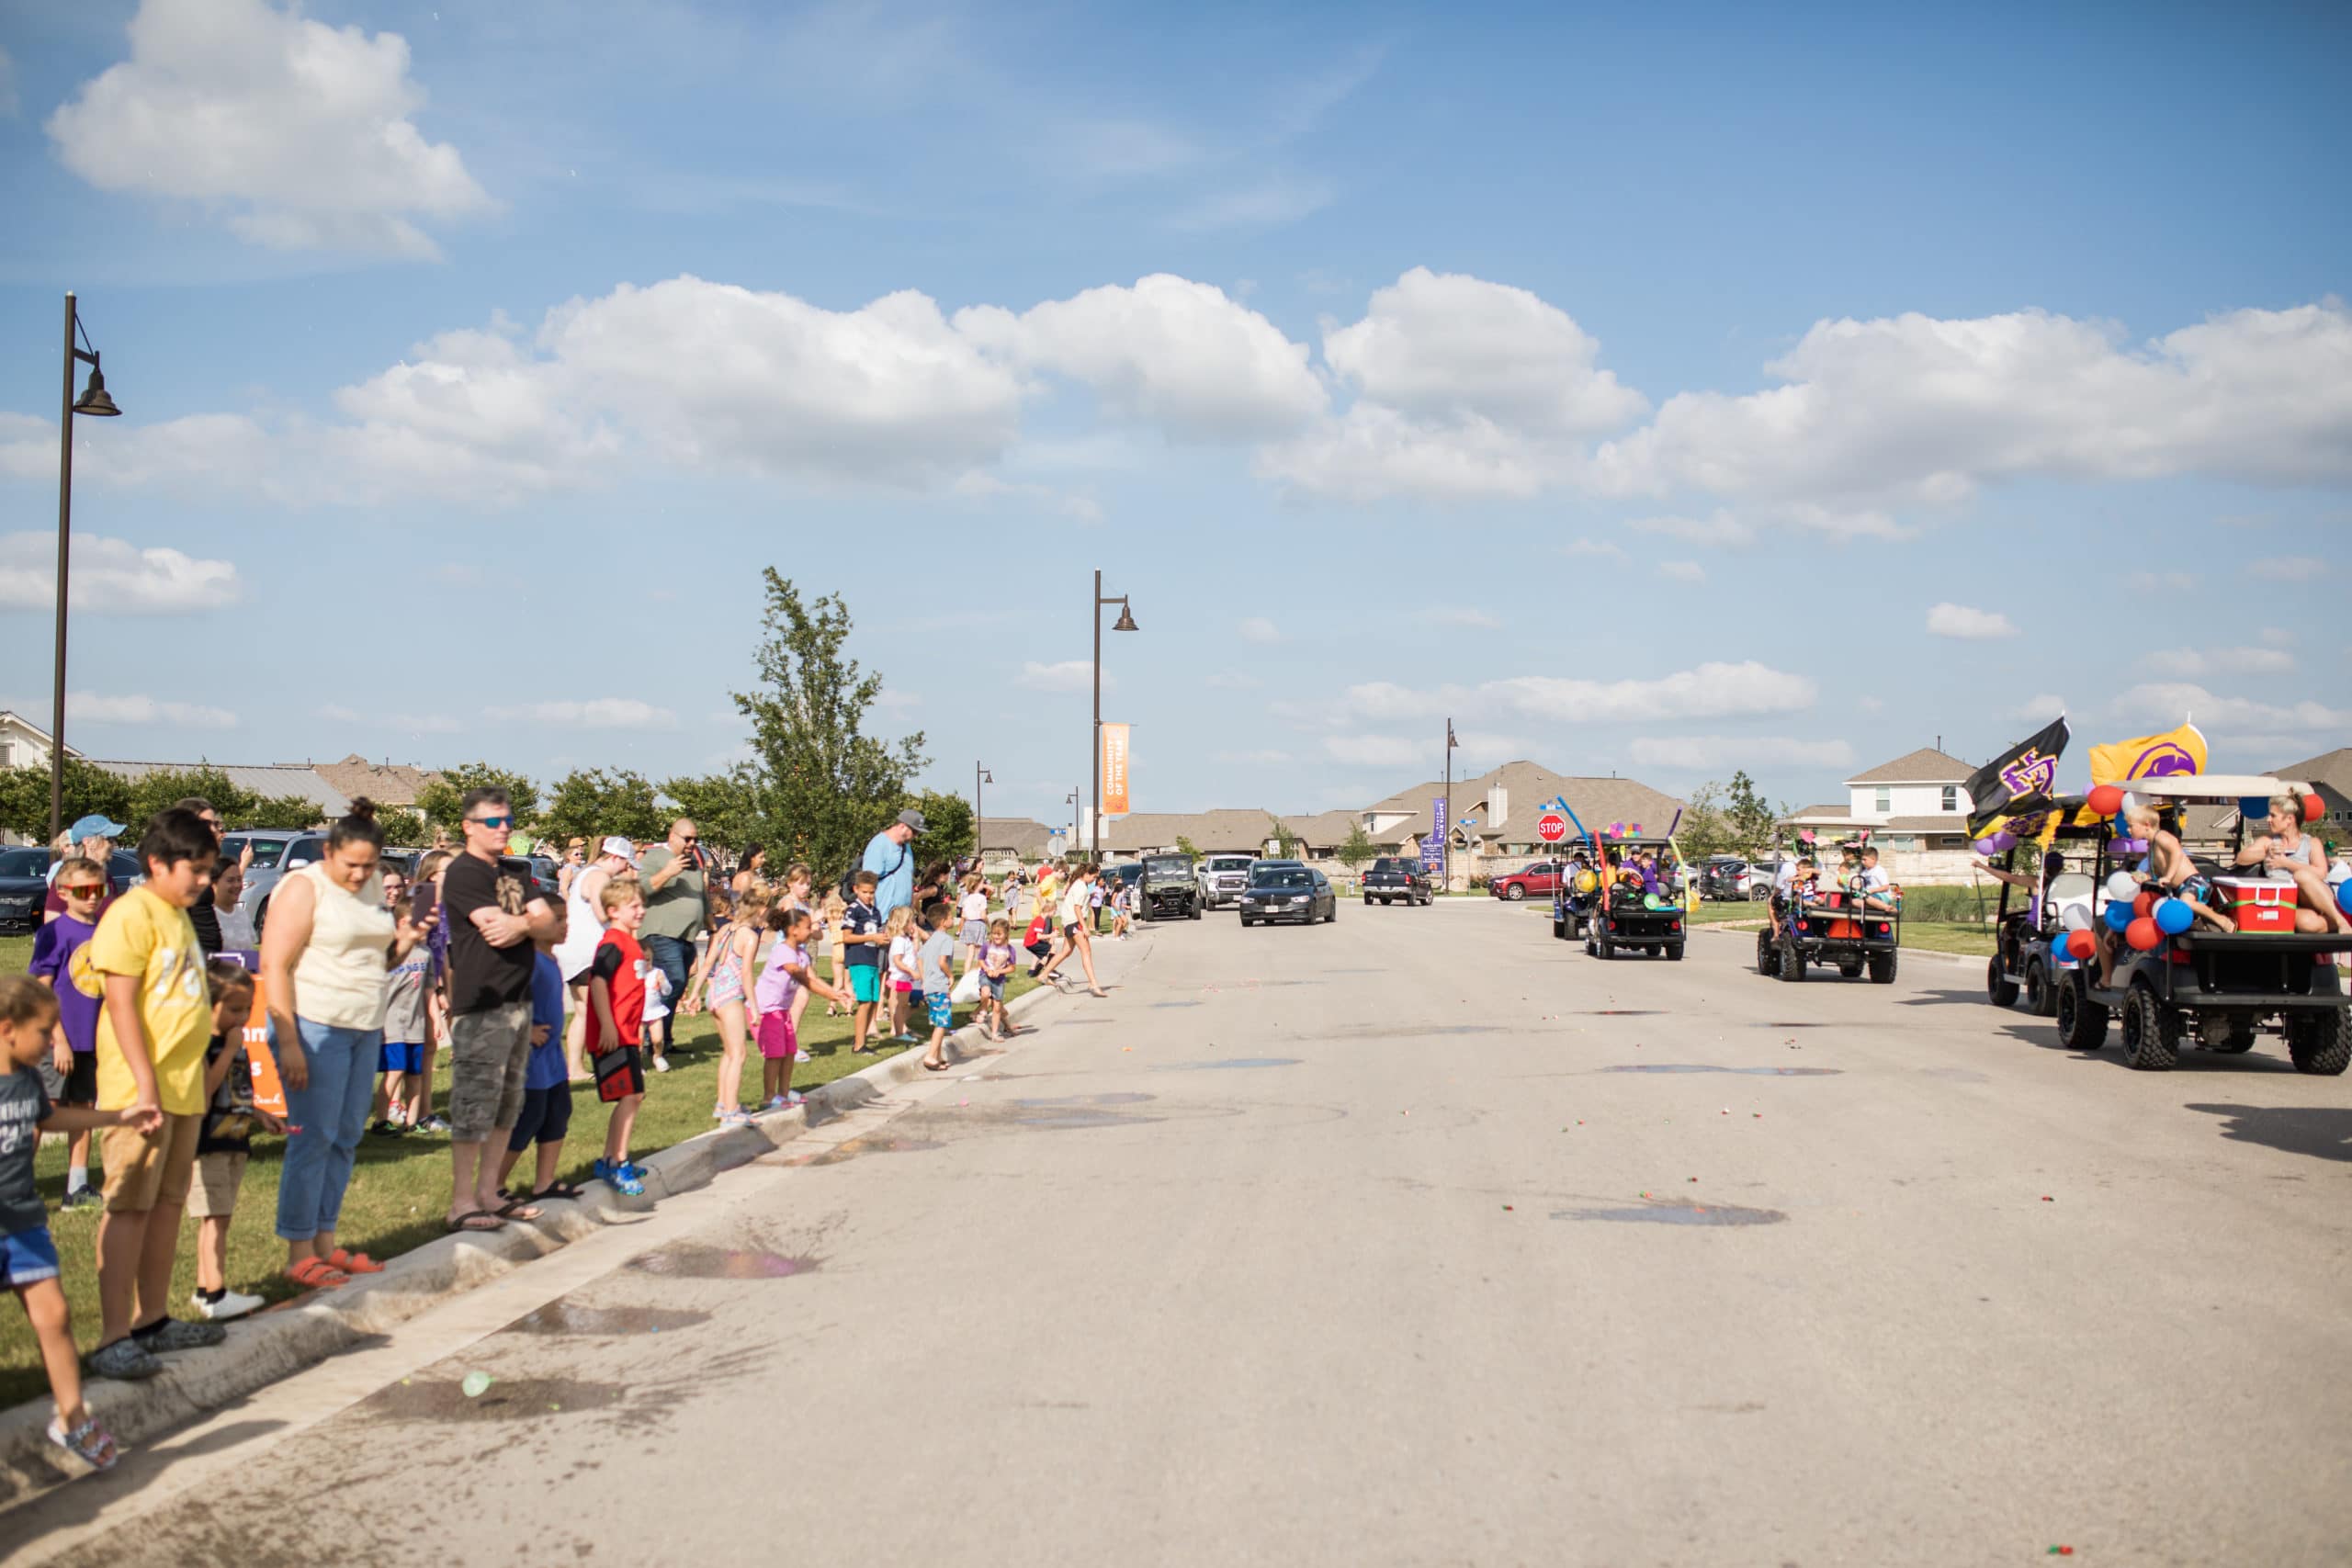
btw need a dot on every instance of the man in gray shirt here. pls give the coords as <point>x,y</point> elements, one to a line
<point>672,874</point>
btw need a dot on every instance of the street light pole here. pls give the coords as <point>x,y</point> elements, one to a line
<point>1126,623</point>
<point>98,403</point>
<point>979,830</point>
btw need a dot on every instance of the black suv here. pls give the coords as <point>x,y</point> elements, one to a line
<point>1395,877</point>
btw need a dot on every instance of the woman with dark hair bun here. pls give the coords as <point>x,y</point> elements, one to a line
<point>324,959</point>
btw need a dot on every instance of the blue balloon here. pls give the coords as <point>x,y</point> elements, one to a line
<point>2173,916</point>
<point>2254,806</point>
<point>2344,897</point>
<point>2119,914</point>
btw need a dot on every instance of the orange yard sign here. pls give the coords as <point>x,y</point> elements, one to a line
<point>268,1093</point>
<point>1115,769</point>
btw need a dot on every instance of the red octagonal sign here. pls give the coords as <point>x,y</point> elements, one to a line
<point>1551,826</point>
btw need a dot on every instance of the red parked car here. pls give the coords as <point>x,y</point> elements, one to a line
<point>1538,881</point>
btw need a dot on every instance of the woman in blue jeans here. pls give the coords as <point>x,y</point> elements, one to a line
<point>324,952</point>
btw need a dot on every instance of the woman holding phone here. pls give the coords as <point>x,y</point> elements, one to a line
<point>324,959</point>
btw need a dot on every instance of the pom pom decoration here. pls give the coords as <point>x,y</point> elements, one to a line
<point>2074,918</point>
<point>2145,906</point>
<point>2142,934</point>
<point>2106,800</point>
<point>2081,944</point>
<point>2120,886</point>
<point>2119,914</point>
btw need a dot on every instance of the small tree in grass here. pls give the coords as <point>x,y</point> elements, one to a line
<point>1358,849</point>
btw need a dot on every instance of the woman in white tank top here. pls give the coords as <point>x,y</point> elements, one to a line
<point>583,928</point>
<point>325,954</point>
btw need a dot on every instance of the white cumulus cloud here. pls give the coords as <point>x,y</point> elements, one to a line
<point>2193,662</point>
<point>2162,702</point>
<point>112,575</point>
<point>1065,675</point>
<point>1718,528</point>
<point>1968,625</point>
<point>1257,628</point>
<point>1711,690</point>
<point>592,712</point>
<point>93,708</point>
<point>301,133</point>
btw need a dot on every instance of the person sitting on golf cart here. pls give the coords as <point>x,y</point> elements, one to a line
<point>1877,889</point>
<point>2282,849</point>
<point>2053,866</point>
<point>2167,871</point>
<point>1793,885</point>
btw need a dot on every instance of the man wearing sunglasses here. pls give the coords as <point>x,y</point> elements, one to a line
<point>674,879</point>
<point>495,917</point>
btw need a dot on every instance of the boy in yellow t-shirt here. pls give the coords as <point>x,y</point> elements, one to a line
<point>152,1029</point>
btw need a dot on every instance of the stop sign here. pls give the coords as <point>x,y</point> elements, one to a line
<point>1551,826</point>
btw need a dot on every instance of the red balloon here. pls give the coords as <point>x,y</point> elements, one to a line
<point>2144,934</point>
<point>2145,905</point>
<point>2082,944</point>
<point>2107,800</point>
<point>2313,809</point>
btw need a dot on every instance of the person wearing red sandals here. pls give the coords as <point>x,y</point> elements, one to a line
<point>324,954</point>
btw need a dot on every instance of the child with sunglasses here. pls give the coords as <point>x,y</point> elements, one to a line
<point>70,1072</point>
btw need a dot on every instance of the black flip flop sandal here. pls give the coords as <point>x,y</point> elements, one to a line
<point>554,1190</point>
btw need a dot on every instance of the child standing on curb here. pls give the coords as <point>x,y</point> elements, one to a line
<point>936,965</point>
<point>74,1059</point>
<point>546,1083</point>
<point>778,995</point>
<point>27,1255</point>
<point>996,968</point>
<point>616,1026</point>
<point>722,985</point>
<point>901,929</point>
<point>407,1028</point>
<point>226,1142</point>
<point>862,943</point>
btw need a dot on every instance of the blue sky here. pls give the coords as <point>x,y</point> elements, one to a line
<point>1662,394</point>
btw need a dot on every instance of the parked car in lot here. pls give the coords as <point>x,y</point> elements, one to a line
<point>1224,878</point>
<point>24,888</point>
<point>1395,877</point>
<point>1286,890</point>
<point>1538,881</point>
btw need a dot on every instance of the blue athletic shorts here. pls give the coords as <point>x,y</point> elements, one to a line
<point>865,983</point>
<point>943,1008</point>
<point>391,1058</point>
<point>27,1257</point>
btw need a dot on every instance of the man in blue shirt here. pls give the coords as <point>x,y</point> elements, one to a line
<point>892,861</point>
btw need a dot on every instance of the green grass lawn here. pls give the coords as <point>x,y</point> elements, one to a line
<point>400,1188</point>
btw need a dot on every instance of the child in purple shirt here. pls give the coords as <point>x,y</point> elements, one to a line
<point>71,1074</point>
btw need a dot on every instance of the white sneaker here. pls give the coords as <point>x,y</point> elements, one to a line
<point>800,1056</point>
<point>228,1306</point>
<point>661,1063</point>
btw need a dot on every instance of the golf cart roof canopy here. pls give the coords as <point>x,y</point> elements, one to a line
<point>2231,787</point>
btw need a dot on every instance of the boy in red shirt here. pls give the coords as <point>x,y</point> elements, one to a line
<point>617,1026</point>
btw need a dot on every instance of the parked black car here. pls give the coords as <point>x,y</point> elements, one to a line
<point>1395,877</point>
<point>1280,891</point>
<point>24,888</point>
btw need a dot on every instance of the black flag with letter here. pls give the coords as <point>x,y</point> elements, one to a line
<point>2028,767</point>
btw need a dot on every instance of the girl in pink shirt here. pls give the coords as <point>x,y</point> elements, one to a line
<point>778,987</point>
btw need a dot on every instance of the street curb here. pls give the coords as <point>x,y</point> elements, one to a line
<point>277,1343</point>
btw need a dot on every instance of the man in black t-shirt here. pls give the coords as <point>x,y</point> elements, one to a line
<point>493,917</point>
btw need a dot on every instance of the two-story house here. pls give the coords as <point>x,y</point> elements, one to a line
<point>1916,810</point>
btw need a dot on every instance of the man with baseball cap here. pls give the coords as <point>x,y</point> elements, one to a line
<point>584,927</point>
<point>892,863</point>
<point>92,836</point>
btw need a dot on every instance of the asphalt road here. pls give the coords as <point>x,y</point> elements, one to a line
<point>1418,1238</point>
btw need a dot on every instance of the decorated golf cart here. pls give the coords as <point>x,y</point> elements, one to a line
<point>1622,891</point>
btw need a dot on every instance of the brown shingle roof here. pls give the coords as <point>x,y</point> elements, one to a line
<point>1016,836</point>
<point>1596,803</point>
<point>385,783</point>
<point>1927,765</point>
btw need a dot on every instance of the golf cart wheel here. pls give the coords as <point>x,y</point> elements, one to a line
<point>2151,1033</point>
<point>1603,944</point>
<point>1793,963</point>
<point>1674,952</point>
<point>1850,969</point>
<point>1559,931</point>
<point>1999,989</point>
<point>2082,1022</point>
<point>1767,955</point>
<point>2321,1042</point>
<point>1882,967</point>
<point>1515,892</point>
<point>2038,998</point>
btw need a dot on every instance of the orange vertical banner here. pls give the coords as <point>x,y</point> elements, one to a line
<point>1115,771</point>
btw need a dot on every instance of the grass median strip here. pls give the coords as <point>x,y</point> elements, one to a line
<point>399,1186</point>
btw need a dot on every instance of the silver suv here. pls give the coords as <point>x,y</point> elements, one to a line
<point>1223,879</point>
<point>277,851</point>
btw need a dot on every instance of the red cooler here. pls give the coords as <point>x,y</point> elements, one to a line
<point>2258,903</point>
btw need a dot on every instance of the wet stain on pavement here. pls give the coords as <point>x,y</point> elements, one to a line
<point>1228,1062</point>
<point>686,1262</point>
<point>1624,1012</point>
<point>1741,1072</point>
<point>1789,1026</point>
<point>1192,1003</point>
<point>570,1317</point>
<point>855,1148</point>
<point>1126,1099</point>
<point>1676,1214</point>
<point>506,1399</point>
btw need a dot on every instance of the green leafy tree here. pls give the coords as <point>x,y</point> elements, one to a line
<point>1358,849</point>
<point>1706,828</point>
<point>1184,847</point>
<point>591,802</point>
<point>947,826</point>
<point>439,801</point>
<point>24,796</point>
<point>726,808</point>
<point>405,829</point>
<point>1750,820</point>
<point>239,806</point>
<point>821,786</point>
<point>1286,841</point>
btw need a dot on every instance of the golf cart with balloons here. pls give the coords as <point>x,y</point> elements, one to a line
<point>1848,925</point>
<point>2178,982</point>
<point>1622,890</point>
<point>2040,855</point>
